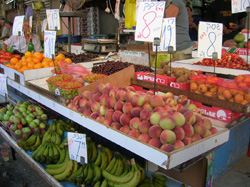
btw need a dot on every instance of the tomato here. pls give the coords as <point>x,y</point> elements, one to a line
<point>8,54</point>
<point>17,56</point>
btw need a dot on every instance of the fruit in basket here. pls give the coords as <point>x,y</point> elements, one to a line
<point>13,127</point>
<point>93,77</point>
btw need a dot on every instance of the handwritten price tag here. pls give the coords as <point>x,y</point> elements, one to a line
<point>77,146</point>
<point>137,6</point>
<point>53,19</point>
<point>49,43</point>
<point>149,25</point>
<point>17,25</point>
<point>3,85</point>
<point>210,39</point>
<point>168,35</point>
<point>239,5</point>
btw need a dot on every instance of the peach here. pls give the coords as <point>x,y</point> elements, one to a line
<point>112,92</point>
<point>125,119</point>
<point>138,100</point>
<point>116,116</point>
<point>159,109</point>
<point>147,98</point>
<point>120,95</point>
<point>134,123</point>
<point>183,110</point>
<point>82,102</point>
<point>95,106</point>
<point>75,108</point>
<point>110,103</point>
<point>109,114</point>
<point>207,122</point>
<point>147,105</point>
<point>178,144</point>
<point>125,129</point>
<point>91,94</point>
<point>169,95</point>
<point>191,107</point>
<point>179,133</point>
<point>155,131</point>
<point>167,147</point>
<point>167,122</point>
<point>129,95</point>
<point>170,101</point>
<point>188,129</point>
<point>177,107</point>
<point>182,99</point>
<point>108,85</point>
<point>144,126</point>
<point>102,110</point>
<point>100,87</point>
<point>155,118</point>
<point>198,117</point>
<point>207,133</point>
<point>103,99</point>
<point>100,119</point>
<point>145,114</point>
<point>107,122</point>
<point>155,142</point>
<point>88,104</point>
<point>134,133</point>
<point>85,94</point>
<point>81,109</point>
<point>150,93</point>
<point>130,88</point>
<point>156,101</point>
<point>135,112</point>
<point>200,128</point>
<point>144,137</point>
<point>187,140</point>
<point>190,117</point>
<point>163,95</point>
<point>127,108</point>
<point>87,112</point>
<point>118,105</point>
<point>106,91</point>
<point>179,119</point>
<point>94,115</point>
<point>115,125</point>
<point>196,137</point>
<point>167,137</point>
<point>96,97</point>
<point>213,130</point>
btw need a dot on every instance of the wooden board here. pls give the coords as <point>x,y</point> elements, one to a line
<point>235,107</point>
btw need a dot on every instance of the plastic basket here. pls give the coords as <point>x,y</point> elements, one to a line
<point>66,90</point>
<point>59,77</point>
<point>93,77</point>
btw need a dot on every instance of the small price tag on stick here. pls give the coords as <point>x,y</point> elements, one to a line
<point>210,39</point>
<point>49,43</point>
<point>53,18</point>
<point>17,25</point>
<point>77,147</point>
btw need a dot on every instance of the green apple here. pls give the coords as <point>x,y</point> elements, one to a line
<point>17,120</point>
<point>19,115</point>
<point>1,117</point>
<point>12,117</point>
<point>23,121</point>
<point>29,119</point>
<point>42,125</point>
<point>22,109</point>
<point>40,112</point>
<point>44,117</point>
<point>26,130</point>
<point>19,103</point>
<point>33,125</point>
<point>37,121</point>
<point>6,117</point>
<point>10,106</point>
<point>3,110</point>
<point>13,127</point>
<point>10,112</point>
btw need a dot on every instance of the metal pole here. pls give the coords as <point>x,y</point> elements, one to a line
<point>69,34</point>
<point>214,58</point>
<point>156,44</point>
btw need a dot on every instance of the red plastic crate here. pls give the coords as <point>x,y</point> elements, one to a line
<point>150,77</point>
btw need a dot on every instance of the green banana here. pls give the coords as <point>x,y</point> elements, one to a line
<point>135,179</point>
<point>66,172</point>
<point>105,162</point>
<point>109,153</point>
<point>90,175</point>
<point>160,177</point>
<point>118,179</point>
<point>97,184</point>
<point>45,136</point>
<point>53,137</point>
<point>51,154</point>
<point>58,140</point>
<point>56,171</point>
<point>158,183</point>
<point>85,170</point>
<point>79,180</point>
<point>64,142</point>
<point>98,160</point>
<point>77,173</point>
<point>37,143</point>
<point>31,140</point>
<point>94,152</point>
<point>114,169</point>
<point>75,167</point>
<point>97,173</point>
<point>143,173</point>
<point>62,156</point>
<point>127,169</point>
<point>111,164</point>
<point>89,148</point>
<point>41,151</point>
<point>104,183</point>
<point>120,168</point>
<point>56,154</point>
<point>44,155</point>
<point>54,166</point>
<point>146,185</point>
<point>37,150</point>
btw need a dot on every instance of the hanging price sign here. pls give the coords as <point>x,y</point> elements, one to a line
<point>53,18</point>
<point>77,147</point>
<point>239,5</point>
<point>209,39</point>
<point>149,25</point>
<point>3,84</point>
<point>17,25</point>
<point>137,6</point>
<point>168,35</point>
<point>49,43</point>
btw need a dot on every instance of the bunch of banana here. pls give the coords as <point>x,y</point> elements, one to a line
<point>159,180</point>
<point>120,176</point>
<point>104,157</point>
<point>54,133</point>
<point>68,126</point>
<point>47,152</point>
<point>91,150</point>
<point>33,142</point>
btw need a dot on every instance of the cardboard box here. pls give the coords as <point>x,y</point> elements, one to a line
<point>139,88</point>
<point>182,86</point>
<point>217,113</point>
<point>150,77</point>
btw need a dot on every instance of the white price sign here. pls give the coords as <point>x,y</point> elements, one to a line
<point>209,39</point>
<point>149,25</point>
<point>168,35</point>
<point>49,43</point>
<point>239,5</point>
<point>3,85</point>
<point>77,147</point>
<point>53,19</point>
<point>137,6</point>
<point>17,25</point>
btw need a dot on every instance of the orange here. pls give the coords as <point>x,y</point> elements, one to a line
<point>231,100</point>
<point>247,79</point>
<point>12,66</point>
<point>214,89</point>
<point>227,94</point>
<point>238,98</point>
<point>193,86</point>
<point>241,92</point>
<point>197,91</point>
<point>13,60</point>
<point>240,78</point>
<point>68,60</point>
<point>20,70</point>
<point>24,58</point>
<point>31,65</point>
<point>36,60</point>
<point>24,68</point>
<point>60,57</point>
<point>38,55</point>
<point>29,59</point>
<point>45,63</point>
<point>221,97</point>
<point>244,102</point>
<point>24,63</point>
<point>202,88</point>
<point>28,54</point>
<point>208,94</point>
<point>234,91</point>
<point>51,64</point>
<point>221,90</point>
<point>18,65</point>
<point>38,65</point>
<point>242,85</point>
<point>8,65</point>
<point>247,95</point>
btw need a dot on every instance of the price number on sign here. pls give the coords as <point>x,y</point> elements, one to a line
<point>3,85</point>
<point>210,39</point>
<point>149,26</point>
<point>77,146</point>
<point>137,6</point>
<point>49,43</point>
<point>53,18</point>
<point>17,25</point>
<point>168,35</point>
<point>239,5</point>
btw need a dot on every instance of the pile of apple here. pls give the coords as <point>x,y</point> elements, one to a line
<point>23,119</point>
<point>159,120</point>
